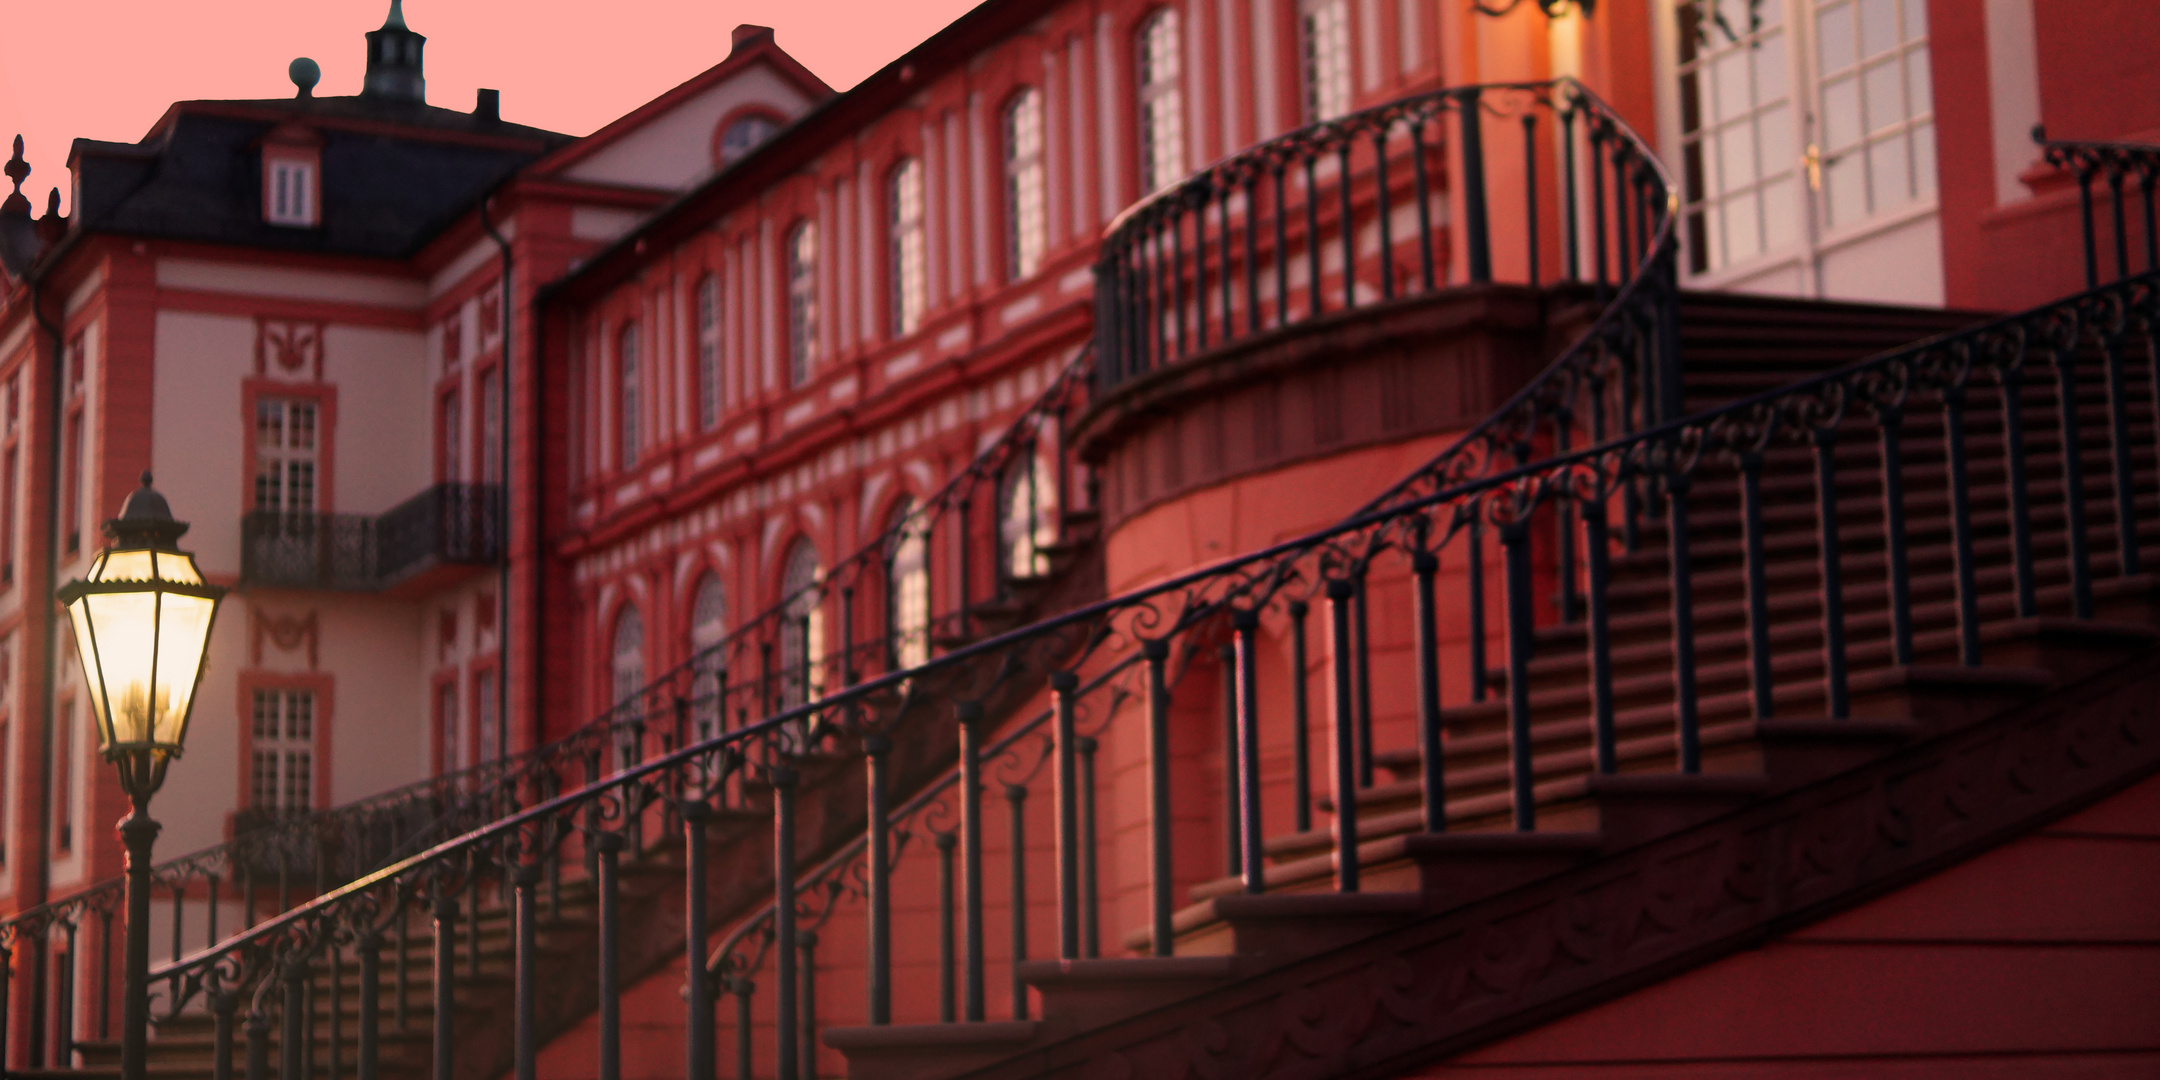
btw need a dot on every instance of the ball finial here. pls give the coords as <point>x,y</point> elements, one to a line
<point>304,73</point>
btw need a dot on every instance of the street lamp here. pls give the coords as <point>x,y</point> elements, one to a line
<point>142,624</point>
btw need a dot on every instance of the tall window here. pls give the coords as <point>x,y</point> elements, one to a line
<point>1738,154</point>
<point>283,750</point>
<point>450,734</point>
<point>626,366</point>
<point>1028,504</point>
<point>802,256</point>
<point>708,354</point>
<point>491,429</point>
<point>628,667</point>
<point>71,480</point>
<point>910,262</point>
<point>708,628</point>
<point>1324,49</point>
<point>64,776</point>
<point>907,601</point>
<point>1162,103</point>
<point>1878,135</point>
<point>285,455</point>
<point>1025,215</point>
<point>10,467</point>
<point>453,438</point>
<point>802,639</point>
<point>488,709</point>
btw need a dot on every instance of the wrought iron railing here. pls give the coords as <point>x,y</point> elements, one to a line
<point>1595,389</point>
<point>445,524</point>
<point>1304,227</point>
<point>277,857</point>
<point>2115,164</point>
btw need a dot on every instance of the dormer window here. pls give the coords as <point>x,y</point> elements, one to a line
<point>292,177</point>
<point>292,194</point>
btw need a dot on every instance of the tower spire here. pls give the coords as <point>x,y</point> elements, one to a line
<point>394,68</point>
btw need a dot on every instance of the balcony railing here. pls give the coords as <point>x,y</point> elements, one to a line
<point>448,524</point>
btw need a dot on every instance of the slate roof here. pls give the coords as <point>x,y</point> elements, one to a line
<point>394,173</point>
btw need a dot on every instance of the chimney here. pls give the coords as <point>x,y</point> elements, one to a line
<point>489,108</point>
<point>746,34</point>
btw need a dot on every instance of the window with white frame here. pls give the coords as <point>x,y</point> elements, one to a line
<point>1028,501</point>
<point>1737,152</point>
<point>627,397</point>
<point>802,270</point>
<point>802,638</point>
<point>450,731</point>
<point>708,628</point>
<point>282,750</point>
<point>743,135</point>
<point>491,429</point>
<point>1026,225</point>
<point>910,269</point>
<point>628,660</point>
<point>1324,52</point>
<point>907,583</point>
<point>286,454</point>
<point>1162,103</point>
<point>291,198</point>
<point>708,358</point>
<point>1877,137</point>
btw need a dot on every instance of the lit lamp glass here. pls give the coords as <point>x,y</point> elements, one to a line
<point>142,621</point>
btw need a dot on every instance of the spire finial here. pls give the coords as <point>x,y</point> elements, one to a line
<point>396,21</point>
<point>17,170</point>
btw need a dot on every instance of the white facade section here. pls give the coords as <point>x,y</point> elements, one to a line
<point>674,150</point>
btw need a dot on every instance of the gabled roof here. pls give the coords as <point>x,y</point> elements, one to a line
<point>752,45</point>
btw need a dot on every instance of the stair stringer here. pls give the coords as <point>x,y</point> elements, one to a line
<point>1451,981</point>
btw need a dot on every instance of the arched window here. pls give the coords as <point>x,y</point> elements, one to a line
<point>629,659</point>
<point>1027,502</point>
<point>910,267</point>
<point>802,256</point>
<point>708,355</point>
<point>1025,216</point>
<point>907,590</point>
<point>802,633</point>
<point>1324,49</point>
<point>626,363</point>
<point>1162,103</point>
<point>628,669</point>
<point>743,135</point>
<point>708,628</point>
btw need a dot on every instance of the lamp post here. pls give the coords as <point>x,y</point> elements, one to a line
<point>142,624</point>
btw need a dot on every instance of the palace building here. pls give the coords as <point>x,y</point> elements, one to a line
<point>1221,538</point>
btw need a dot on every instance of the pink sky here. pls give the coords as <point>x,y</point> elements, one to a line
<point>106,69</point>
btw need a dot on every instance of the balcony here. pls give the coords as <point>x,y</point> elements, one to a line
<point>411,546</point>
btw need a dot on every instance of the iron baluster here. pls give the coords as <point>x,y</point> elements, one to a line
<point>1312,239</point>
<point>2126,523</point>
<point>947,1011</point>
<point>742,989</point>
<point>1063,685</point>
<point>1176,274</point>
<point>2122,228</point>
<point>1833,578</point>
<point>1160,883</point>
<point>1380,210</point>
<point>2085,216</point>
<point>1683,617</point>
<point>807,941</point>
<point>1348,224</point>
<point>1282,252</point>
<point>1530,213</point>
<point>1229,290</point>
<point>878,881</point>
<point>1252,256</point>
<point>1199,266</point>
<point>1467,112</point>
<point>1246,623</point>
<point>1597,211</point>
<point>1564,526</point>
<point>1968,592</point>
<point>258,1045</point>
<point>446,917</point>
<point>1597,544</point>
<point>1300,718</point>
<point>1090,916</point>
<point>1343,720</point>
<point>1758,592</point>
<point>1424,200</point>
<point>1016,811</point>
<point>293,1056</point>
<point>2073,472</point>
<point>1522,638</point>
<point>1474,545</point>
<point>783,780</point>
<point>222,1003</point>
<point>971,841</point>
<point>2021,554</point>
<point>1233,843</point>
<point>1898,569</point>
<point>697,989</point>
<point>1361,652</point>
<point>1571,243</point>
<point>1425,565</point>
